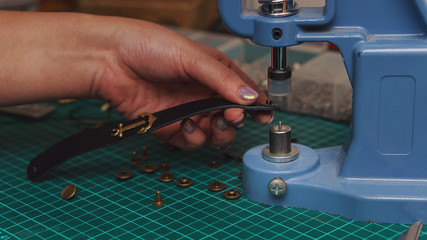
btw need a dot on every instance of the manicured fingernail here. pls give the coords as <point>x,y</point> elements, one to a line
<point>188,126</point>
<point>221,124</point>
<point>247,93</point>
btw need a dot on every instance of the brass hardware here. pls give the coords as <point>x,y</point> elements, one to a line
<point>240,175</point>
<point>144,155</point>
<point>184,182</point>
<point>159,201</point>
<point>216,186</point>
<point>134,161</point>
<point>166,177</point>
<point>231,194</point>
<point>68,192</point>
<point>214,164</point>
<point>119,132</point>
<point>269,103</point>
<point>124,175</point>
<point>164,167</point>
<point>148,168</point>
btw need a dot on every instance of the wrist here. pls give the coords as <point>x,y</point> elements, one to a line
<point>50,56</point>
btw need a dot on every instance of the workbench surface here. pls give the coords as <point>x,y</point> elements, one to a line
<point>105,208</point>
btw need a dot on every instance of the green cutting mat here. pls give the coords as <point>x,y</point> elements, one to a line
<point>105,208</point>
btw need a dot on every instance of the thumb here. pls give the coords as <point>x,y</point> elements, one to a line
<point>220,78</point>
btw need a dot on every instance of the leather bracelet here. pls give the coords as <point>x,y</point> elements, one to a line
<point>112,133</point>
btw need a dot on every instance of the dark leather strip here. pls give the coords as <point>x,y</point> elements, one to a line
<point>99,137</point>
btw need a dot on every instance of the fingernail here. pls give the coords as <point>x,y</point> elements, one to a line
<point>241,120</point>
<point>188,126</point>
<point>271,119</point>
<point>247,93</point>
<point>221,124</point>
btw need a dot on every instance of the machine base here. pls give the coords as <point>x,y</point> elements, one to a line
<point>313,182</point>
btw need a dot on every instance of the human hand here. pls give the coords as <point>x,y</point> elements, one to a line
<point>134,65</point>
<point>155,69</point>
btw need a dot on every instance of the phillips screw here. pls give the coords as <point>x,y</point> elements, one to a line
<point>277,187</point>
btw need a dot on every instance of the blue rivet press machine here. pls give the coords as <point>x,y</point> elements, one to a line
<point>380,175</point>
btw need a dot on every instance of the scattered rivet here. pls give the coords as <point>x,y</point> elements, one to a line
<point>166,176</point>
<point>214,164</point>
<point>148,168</point>
<point>216,186</point>
<point>68,192</point>
<point>164,167</point>
<point>144,155</point>
<point>124,175</point>
<point>184,182</point>
<point>134,161</point>
<point>159,201</point>
<point>231,194</point>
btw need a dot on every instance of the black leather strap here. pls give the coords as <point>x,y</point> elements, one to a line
<point>112,133</point>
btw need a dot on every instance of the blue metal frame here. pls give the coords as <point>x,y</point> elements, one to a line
<point>381,174</point>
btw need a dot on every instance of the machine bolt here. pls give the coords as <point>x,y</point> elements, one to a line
<point>277,187</point>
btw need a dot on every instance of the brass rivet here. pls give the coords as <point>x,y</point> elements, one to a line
<point>144,155</point>
<point>124,175</point>
<point>159,201</point>
<point>231,194</point>
<point>240,175</point>
<point>148,168</point>
<point>164,167</point>
<point>134,161</point>
<point>68,192</point>
<point>216,186</point>
<point>184,182</point>
<point>214,164</point>
<point>166,177</point>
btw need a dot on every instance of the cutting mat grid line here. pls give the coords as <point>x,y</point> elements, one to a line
<point>106,208</point>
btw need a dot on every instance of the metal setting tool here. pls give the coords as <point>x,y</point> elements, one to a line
<point>380,174</point>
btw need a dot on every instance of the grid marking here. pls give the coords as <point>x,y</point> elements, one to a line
<point>105,208</point>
